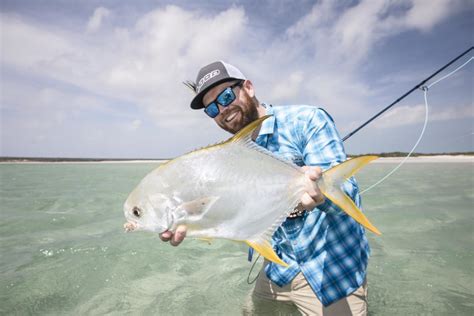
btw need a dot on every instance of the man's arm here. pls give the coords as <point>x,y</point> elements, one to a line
<point>323,147</point>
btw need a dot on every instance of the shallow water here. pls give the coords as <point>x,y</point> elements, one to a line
<point>63,249</point>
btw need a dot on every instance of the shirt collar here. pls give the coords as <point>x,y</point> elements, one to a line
<point>268,126</point>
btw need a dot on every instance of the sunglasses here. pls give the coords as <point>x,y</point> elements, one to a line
<point>224,98</point>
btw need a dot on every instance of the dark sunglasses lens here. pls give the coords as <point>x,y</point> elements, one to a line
<point>212,110</point>
<point>226,97</point>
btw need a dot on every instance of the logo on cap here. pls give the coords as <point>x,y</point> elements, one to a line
<point>207,77</point>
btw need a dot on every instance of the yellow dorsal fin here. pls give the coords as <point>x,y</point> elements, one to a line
<point>243,135</point>
<point>264,248</point>
<point>246,132</point>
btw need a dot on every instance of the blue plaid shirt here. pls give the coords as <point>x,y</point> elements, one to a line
<point>326,245</point>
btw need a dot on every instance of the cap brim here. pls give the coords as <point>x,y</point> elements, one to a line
<point>196,102</point>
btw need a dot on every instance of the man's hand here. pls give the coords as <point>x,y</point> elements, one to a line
<point>313,196</point>
<point>174,238</point>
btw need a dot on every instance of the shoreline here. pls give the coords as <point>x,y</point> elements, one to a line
<point>428,159</point>
<point>419,159</point>
<point>83,162</point>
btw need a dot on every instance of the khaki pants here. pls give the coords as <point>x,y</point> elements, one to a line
<point>297,297</point>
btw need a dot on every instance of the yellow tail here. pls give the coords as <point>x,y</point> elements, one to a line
<point>331,188</point>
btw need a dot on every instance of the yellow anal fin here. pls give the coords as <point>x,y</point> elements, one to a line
<point>265,249</point>
<point>208,240</point>
<point>337,196</point>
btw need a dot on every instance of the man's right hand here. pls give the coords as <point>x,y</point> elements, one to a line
<point>174,238</point>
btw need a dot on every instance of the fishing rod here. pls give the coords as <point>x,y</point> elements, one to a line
<point>406,94</point>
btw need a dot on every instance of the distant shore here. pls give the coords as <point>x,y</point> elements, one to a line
<point>418,159</point>
<point>82,161</point>
<point>429,159</point>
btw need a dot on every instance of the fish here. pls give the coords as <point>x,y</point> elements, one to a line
<point>234,190</point>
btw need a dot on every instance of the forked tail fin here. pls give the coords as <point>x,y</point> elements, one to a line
<point>331,188</point>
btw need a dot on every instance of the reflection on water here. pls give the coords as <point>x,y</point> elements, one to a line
<point>64,251</point>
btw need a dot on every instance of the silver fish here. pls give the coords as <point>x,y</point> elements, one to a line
<point>235,190</point>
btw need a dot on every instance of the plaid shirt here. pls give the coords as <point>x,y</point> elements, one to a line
<point>326,245</point>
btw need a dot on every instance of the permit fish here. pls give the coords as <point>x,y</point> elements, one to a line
<point>234,190</point>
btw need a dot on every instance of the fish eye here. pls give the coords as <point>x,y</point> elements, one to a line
<point>137,211</point>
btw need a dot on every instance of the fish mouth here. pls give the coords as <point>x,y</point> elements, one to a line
<point>130,226</point>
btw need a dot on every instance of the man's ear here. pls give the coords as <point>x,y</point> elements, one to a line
<point>248,86</point>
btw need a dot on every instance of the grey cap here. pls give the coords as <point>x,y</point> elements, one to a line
<point>210,76</point>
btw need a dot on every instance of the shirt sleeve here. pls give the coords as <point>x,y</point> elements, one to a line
<point>323,147</point>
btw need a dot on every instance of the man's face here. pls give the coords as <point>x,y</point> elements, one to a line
<point>238,114</point>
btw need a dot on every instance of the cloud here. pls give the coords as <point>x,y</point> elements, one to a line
<point>95,21</point>
<point>424,17</point>
<point>408,115</point>
<point>338,32</point>
<point>144,63</point>
<point>135,124</point>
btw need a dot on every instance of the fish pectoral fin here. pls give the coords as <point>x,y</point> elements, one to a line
<point>338,197</point>
<point>196,209</point>
<point>264,248</point>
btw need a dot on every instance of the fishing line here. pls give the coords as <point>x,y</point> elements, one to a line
<point>425,94</point>
<point>250,272</point>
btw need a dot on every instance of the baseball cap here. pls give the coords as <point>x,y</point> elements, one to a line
<point>210,76</point>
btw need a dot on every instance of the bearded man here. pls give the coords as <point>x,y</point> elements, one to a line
<point>327,251</point>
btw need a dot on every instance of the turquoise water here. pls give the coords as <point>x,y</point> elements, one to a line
<point>63,249</point>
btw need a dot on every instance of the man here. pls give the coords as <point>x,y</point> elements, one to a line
<point>327,251</point>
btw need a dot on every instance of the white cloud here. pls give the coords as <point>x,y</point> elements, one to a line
<point>288,87</point>
<point>95,21</point>
<point>143,64</point>
<point>408,115</point>
<point>135,124</point>
<point>423,16</point>
<point>28,45</point>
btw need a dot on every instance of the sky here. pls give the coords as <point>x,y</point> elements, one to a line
<point>103,79</point>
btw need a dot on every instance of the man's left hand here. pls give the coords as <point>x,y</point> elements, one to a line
<point>313,196</point>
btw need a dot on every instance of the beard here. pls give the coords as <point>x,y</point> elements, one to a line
<point>248,113</point>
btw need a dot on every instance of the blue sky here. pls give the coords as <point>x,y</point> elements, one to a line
<point>103,78</point>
